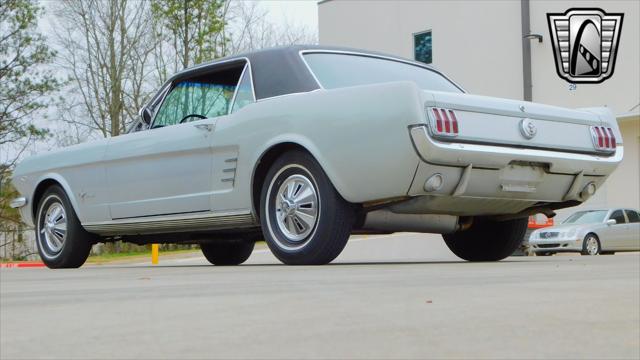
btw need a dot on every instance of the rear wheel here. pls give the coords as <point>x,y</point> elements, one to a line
<point>304,219</point>
<point>228,252</point>
<point>487,240</point>
<point>62,242</point>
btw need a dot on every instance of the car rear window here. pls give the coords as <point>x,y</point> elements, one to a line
<point>343,70</point>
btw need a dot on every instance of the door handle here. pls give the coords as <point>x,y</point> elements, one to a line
<point>204,127</point>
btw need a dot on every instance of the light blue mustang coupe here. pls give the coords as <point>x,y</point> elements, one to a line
<point>303,146</point>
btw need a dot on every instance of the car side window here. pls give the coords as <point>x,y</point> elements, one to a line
<point>618,216</point>
<point>205,96</point>
<point>633,216</point>
<point>244,94</point>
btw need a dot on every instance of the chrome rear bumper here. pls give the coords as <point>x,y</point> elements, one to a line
<point>498,157</point>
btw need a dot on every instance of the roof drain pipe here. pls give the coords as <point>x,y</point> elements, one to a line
<point>526,50</point>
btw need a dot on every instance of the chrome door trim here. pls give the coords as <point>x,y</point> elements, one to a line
<point>173,223</point>
<point>247,69</point>
<point>235,91</point>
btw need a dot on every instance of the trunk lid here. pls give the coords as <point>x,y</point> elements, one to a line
<point>497,121</point>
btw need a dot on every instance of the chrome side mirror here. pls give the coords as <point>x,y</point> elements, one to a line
<point>145,115</point>
<point>611,222</point>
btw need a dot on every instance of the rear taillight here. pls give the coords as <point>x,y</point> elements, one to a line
<point>603,138</point>
<point>444,122</point>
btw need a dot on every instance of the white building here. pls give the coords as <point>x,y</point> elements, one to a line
<point>480,45</point>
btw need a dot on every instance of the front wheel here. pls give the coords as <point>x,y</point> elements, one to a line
<point>544,253</point>
<point>591,245</point>
<point>304,219</point>
<point>487,240</point>
<point>62,241</point>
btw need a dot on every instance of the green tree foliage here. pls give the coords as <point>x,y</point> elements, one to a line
<point>191,28</point>
<point>13,240</point>
<point>25,87</point>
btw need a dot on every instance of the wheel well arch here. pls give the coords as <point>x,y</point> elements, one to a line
<point>584,239</point>
<point>39,192</point>
<point>592,233</point>
<point>263,165</point>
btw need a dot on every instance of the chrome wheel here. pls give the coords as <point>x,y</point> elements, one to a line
<point>53,228</point>
<point>296,208</point>
<point>592,246</point>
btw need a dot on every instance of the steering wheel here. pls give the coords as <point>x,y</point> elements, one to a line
<point>192,115</point>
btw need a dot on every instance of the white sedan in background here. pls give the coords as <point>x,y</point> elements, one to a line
<point>590,232</point>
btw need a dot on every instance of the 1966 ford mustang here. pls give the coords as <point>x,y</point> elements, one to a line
<point>303,146</point>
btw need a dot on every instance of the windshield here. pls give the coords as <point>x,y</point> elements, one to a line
<point>343,70</point>
<point>586,217</point>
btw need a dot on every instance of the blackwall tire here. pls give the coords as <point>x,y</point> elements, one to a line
<point>304,220</point>
<point>228,252</point>
<point>62,241</point>
<point>487,240</point>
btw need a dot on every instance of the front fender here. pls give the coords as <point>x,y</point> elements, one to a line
<point>28,211</point>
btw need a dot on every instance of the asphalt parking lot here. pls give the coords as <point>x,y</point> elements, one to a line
<point>399,296</point>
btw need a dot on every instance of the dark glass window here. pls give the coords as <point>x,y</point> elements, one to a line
<point>633,216</point>
<point>618,216</point>
<point>422,47</point>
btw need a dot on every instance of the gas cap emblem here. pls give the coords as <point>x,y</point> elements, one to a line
<point>527,128</point>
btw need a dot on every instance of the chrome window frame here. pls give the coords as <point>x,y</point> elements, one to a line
<point>301,53</point>
<point>246,70</point>
<point>211,66</point>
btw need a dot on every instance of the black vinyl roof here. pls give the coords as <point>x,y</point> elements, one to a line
<point>275,71</point>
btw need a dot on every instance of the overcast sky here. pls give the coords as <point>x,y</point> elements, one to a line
<point>300,12</point>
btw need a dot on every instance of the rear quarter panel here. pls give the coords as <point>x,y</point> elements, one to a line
<point>359,135</point>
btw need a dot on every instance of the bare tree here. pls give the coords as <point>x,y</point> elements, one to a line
<point>249,28</point>
<point>105,45</point>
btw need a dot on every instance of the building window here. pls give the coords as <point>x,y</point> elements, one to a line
<point>422,47</point>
